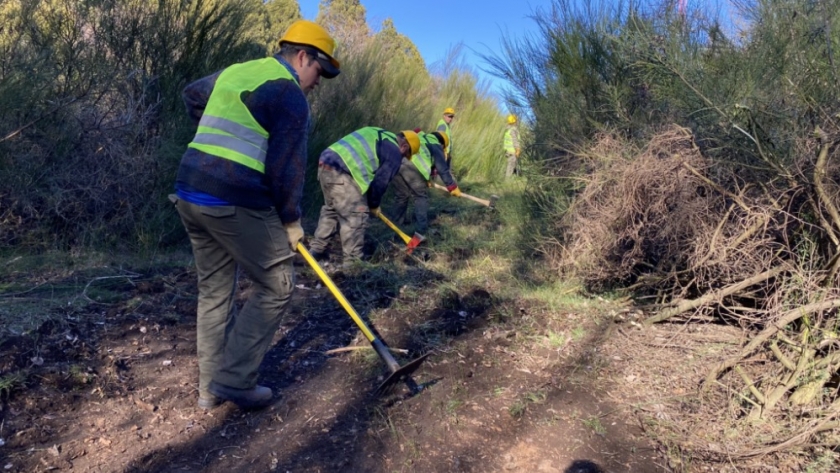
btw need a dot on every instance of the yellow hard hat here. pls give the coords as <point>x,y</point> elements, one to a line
<point>511,119</point>
<point>444,138</point>
<point>413,140</point>
<point>307,33</point>
<point>449,111</point>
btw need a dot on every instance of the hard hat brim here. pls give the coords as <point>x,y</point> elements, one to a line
<point>330,67</point>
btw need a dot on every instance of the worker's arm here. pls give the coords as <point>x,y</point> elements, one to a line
<point>442,167</point>
<point>390,160</point>
<point>196,94</point>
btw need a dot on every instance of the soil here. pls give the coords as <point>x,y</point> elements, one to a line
<point>113,388</point>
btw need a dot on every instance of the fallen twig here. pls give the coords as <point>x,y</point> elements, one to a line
<point>362,347</point>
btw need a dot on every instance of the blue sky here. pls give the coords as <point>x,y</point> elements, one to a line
<point>436,27</point>
<point>478,25</point>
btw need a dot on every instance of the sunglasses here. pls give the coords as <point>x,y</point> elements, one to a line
<point>328,69</point>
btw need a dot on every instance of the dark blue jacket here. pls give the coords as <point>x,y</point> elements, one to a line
<point>280,107</point>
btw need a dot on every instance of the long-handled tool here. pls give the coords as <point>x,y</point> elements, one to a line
<point>411,242</point>
<point>398,373</point>
<point>489,203</point>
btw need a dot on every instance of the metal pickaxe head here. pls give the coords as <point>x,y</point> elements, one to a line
<point>414,242</point>
<point>493,199</point>
<point>402,374</point>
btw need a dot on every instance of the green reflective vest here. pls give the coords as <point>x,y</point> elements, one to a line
<point>227,129</point>
<point>358,151</point>
<point>443,126</point>
<point>510,148</point>
<point>423,159</point>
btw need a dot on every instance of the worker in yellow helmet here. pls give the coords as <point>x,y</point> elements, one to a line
<point>238,192</point>
<point>444,125</point>
<point>511,145</point>
<point>415,176</point>
<point>354,173</point>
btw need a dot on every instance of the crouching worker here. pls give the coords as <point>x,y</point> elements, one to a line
<point>238,193</point>
<point>354,174</point>
<point>415,176</point>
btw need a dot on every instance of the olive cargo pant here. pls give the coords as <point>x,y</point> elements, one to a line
<point>231,345</point>
<point>511,164</point>
<point>410,183</point>
<point>345,210</point>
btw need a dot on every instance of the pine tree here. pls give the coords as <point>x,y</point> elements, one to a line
<point>393,41</point>
<point>345,20</point>
<point>280,14</point>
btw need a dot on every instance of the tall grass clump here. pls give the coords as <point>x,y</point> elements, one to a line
<point>478,127</point>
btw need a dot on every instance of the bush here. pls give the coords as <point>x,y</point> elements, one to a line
<point>93,116</point>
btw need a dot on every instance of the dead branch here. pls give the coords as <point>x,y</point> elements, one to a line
<point>819,425</point>
<point>56,108</point>
<point>819,176</point>
<point>784,360</point>
<point>833,266</point>
<point>736,198</point>
<point>790,381</point>
<point>130,277</point>
<point>717,295</point>
<point>758,225</point>
<point>750,384</point>
<point>775,326</point>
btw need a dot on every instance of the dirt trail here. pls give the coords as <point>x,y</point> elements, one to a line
<point>114,391</point>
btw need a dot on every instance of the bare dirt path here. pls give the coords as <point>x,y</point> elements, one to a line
<point>114,391</point>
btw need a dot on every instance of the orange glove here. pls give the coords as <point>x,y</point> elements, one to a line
<point>455,192</point>
<point>517,152</point>
<point>429,183</point>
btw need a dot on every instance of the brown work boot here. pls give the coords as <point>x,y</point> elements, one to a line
<point>254,398</point>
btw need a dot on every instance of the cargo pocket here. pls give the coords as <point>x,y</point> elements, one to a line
<point>359,219</point>
<point>277,236</point>
<point>219,211</point>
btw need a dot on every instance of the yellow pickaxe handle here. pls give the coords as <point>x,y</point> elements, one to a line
<point>336,292</point>
<point>395,228</point>
<point>484,202</point>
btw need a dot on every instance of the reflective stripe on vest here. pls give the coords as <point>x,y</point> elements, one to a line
<point>443,126</point>
<point>509,148</point>
<point>358,151</point>
<point>227,129</point>
<point>423,159</point>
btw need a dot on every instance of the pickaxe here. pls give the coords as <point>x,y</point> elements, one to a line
<point>411,242</point>
<point>489,203</point>
<point>398,373</point>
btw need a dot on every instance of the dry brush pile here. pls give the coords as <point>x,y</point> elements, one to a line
<point>705,241</point>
